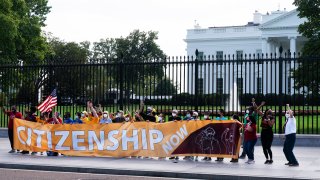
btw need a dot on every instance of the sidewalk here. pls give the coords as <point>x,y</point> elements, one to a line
<point>308,158</point>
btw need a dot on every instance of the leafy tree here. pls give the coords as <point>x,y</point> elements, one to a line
<point>137,48</point>
<point>21,42</point>
<point>307,74</point>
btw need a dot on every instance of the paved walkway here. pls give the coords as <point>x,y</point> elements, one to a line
<point>308,158</point>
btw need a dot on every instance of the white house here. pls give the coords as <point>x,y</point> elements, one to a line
<point>265,34</point>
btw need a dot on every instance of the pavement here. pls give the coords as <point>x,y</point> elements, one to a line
<point>308,158</point>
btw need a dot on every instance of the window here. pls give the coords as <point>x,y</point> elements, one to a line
<point>219,85</point>
<point>219,57</point>
<point>240,85</point>
<point>200,56</point>
<point>239,56</point>
<point>259,85</point>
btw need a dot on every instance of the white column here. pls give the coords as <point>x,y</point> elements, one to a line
<point>293,45</point>
<point>264,45</point>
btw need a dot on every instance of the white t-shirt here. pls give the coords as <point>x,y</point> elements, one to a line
<point>290,126</point>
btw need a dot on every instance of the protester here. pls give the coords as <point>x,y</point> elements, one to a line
<point>161,118</point>
<point>105,119</point>
<point>150,115</point>
<point>12,114</point>
<point>137,117</point>
<point>290,131</point>
<point>206,116</point>
<point>119,117</point>
<point>188,115</point>
<point>250,138</point>
<point>67,118</point>
<point>195,116</point>
<point>77,119</point>
<point>55,119</point>
<point>221,118</point>
<point>267,135</point>
<point>174,116</point>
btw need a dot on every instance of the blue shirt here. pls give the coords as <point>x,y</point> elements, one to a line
<point>77,121</point>
<point>221,118</point>
<point>68,121</point>
<point>105,121</point>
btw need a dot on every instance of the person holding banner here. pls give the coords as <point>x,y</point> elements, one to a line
<point>12,114</point>
<point>77,119</point>
<point>188,115</point>
<point>206,116</point>
<point>221,118</point>
<point>67,118</point>
<point>119,117</point>
<point>150,115</point>
<point>174,118</point>
<point>105,118</point>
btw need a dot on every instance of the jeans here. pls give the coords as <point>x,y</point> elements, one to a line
<point>249,148</point>
<point>288,148</point>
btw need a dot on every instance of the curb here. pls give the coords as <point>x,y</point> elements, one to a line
<point>182,175</point>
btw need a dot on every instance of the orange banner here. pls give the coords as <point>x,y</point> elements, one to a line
<point>185,138</point>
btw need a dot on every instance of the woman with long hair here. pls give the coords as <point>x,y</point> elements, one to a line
<point>267,134</point>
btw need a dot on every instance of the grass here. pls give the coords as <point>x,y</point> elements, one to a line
<point>306,124</point>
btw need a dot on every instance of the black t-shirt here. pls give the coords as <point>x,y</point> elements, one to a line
<point>148,117</point>
<point>171,118</point>
<point>264,125</point>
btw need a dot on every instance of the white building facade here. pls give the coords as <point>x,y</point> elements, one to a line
<point>265,35</point>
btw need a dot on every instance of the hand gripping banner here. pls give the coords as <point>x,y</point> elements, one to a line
<point>182,138</point>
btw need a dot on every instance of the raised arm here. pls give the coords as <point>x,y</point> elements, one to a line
<point>94,112</point>
<point>141,106</point>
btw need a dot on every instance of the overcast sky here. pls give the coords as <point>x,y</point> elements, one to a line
<point>92,20</point>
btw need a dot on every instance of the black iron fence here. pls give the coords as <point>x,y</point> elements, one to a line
<point>199,83</point>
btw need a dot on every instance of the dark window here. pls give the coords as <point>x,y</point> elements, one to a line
<point>219,57</point>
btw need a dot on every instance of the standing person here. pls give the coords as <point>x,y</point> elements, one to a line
<point>250,138</point>
<point>174,117</point>
<point>221,118</point>
<point>188,115</point>
<point>150,115</point>
<point>105,118</point>
<point>67,118</point>
<point>267,135</point>
<point>55,119</point>
<point>206,116</point>
<point>77,119</point>
<point>290,131</point>
<point>12,114</point>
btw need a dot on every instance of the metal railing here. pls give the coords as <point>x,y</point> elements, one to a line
<point>199,83</point>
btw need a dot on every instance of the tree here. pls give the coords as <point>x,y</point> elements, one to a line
<point>21,41</point>
<point>307,74</point>
<point>137,48</point>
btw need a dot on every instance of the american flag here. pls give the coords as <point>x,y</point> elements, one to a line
<point>49,103</point>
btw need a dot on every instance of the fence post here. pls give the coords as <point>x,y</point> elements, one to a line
<point>121,83</point>
<point>196,85</point>
<point>280,89</point>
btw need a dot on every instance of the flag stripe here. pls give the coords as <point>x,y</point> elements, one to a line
<point>49,103</point>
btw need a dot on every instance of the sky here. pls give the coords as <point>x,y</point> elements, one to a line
<point>92,20</point>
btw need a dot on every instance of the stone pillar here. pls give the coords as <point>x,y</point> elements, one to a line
<point>264,45</point>
<point>293,45</point>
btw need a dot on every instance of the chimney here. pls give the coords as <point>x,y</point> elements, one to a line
<point>257,17</point>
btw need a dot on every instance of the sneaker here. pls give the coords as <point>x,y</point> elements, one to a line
<point>33,153</point>
<point>204,159</point>
<point>12,151</point>
<point>294,165</point>
<point>171,158</point>
<point>176,158</point>
<point>196,158</point>
<point>266,162</point>
<point>287,164</point>
<point>219,159</point>
<point>250,161</point>
<point>270,161</point>
<point>234,160</point>
<point>209,159</point>
<point>186,157</point>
